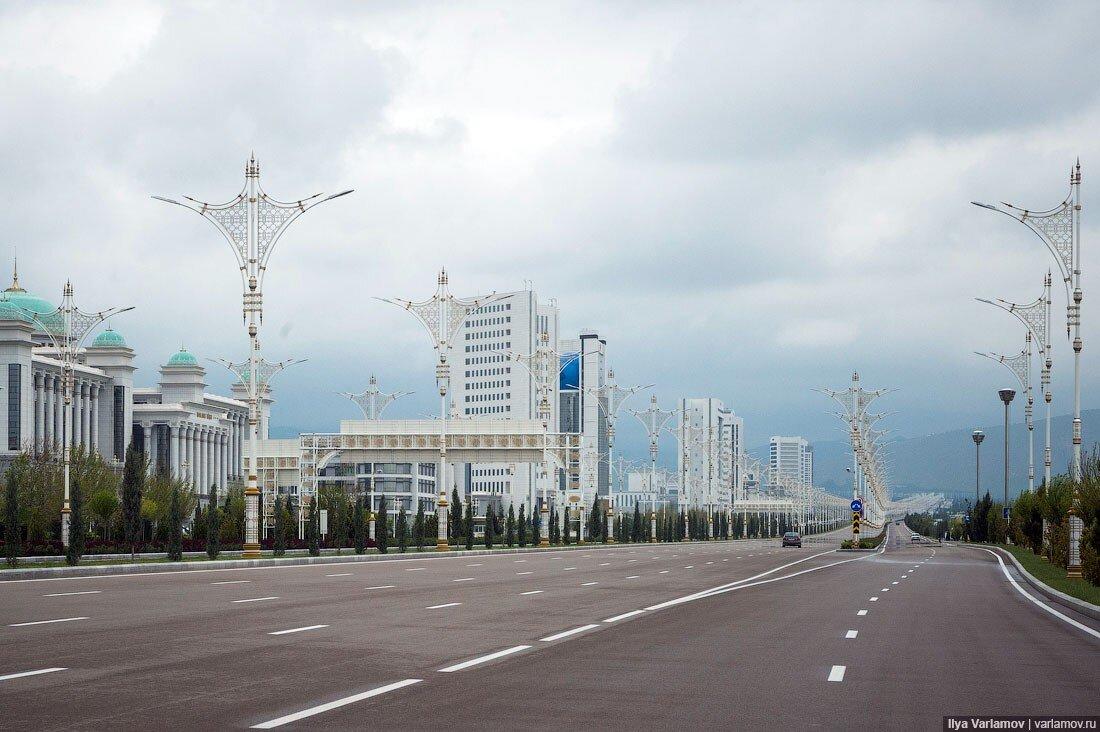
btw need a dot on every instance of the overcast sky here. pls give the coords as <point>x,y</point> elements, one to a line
<point>747,200</point>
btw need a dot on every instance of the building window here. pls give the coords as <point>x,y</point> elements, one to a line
<point>15,407</point>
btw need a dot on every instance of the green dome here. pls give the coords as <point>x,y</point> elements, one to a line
<point>109,339</point>
<point>21,298</point>
<point>8,311</point>
<point>182,358</point>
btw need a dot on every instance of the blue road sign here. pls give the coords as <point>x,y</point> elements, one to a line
<point>857,505</point>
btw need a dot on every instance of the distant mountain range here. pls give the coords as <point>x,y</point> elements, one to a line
<point>944,462</point>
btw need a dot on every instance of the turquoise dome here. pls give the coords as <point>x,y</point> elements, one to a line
<point>8,311</point>
<point>109,339</point>
<point>21,298</point>
<point>182,358</point>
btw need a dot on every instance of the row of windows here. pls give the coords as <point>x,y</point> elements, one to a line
<point>491,487</point>
<point>347,470</point>
<point>487,397</point>
<point>489,384</point>
<point>495,358</point>
<point>489,372</point>
<point>501,320</point>
<point>488,347</point>
<point>499,308</point>
<point>489,471</point>
<point>488,334</point>
<point>497,409</point>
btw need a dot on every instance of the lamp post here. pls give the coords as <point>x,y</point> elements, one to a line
<point>1006,396</point>
<point>252,222</point>
<point>978,436</point>
<point>373,401</point>
<point>653,419</point>
<point>441,315</point>
<point>1020,366</point>
<point>67,327</point>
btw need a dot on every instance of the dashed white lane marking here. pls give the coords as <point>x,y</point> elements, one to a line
<point>894,582</point>
<point>380,587</point>
<point>874,599</point>
<point>231,582</point>
<point>416,569</point>
<point>663,571</point>
<point>862,612</point>
<point>690,566</point>
<point>624,616</point>
<point>21,674</point>
<point>518,561</point>
<point>44,622</point>
<point>851,634</point>
<point>474,565</point>
<point>257,599</point>
<point>885,589</point>
<point>483,659</point>
<point>297,630</point>
<point>725,560</point>
<point>519,573</point>
<point>464,579</point>
<point>837,673</point>
<point>604,564</point>
<point>65,594</point>
<point>587,584</point>
<point>339,574</point>
<point>633,576</point>
<point>710,562</point>
<point>335,704</point>
<point>446,604</point>
<point>567,633</point>
<point>567,569</point>
<point>532,592</point>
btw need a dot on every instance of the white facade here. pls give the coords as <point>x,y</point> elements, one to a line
<point>583,411</point>
<point>488,385</point>
<point>791,458</point>
<point>709,456</point>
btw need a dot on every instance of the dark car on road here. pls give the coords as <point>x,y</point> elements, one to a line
<point>792,538</point>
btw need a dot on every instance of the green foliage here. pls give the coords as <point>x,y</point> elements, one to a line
<point>510,527</point>
<point>522,525</point>
<point>232,525</point>
<point>103,506</point>
<point>468,522</point>
<point>78,523</point>
<point>402,531</point>
<point>359,527</point>
<point>13,533</point>
<point>213,524</point>
<point>455,528</point>
<point>175,524</point>
<point>133,485</point>
<point>381,527</point>
<point>313,528</point>
<point>278,539</point>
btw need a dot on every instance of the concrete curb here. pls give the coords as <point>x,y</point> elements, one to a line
<point>15,575</point>
<point>1067,601</point>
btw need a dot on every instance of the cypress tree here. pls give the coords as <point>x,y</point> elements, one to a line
<point>536,526</point>
<point>278,539</point>
<point>213,524</point>
<point>402,531</point>
<point>469,523</point>
<point>510,527</point>
<point>359,527</point>
<point>133,485</point>
<point>604,536</point>
<point>13,538</point>
<point>419,527</point>
<point>78,526</point>
<point>456,531</point>
<point>313,528</point>
<point>636,530</point>
<point>522,525</point>
<point>565,525</point>
<point>490,525</point>
<point>382,527</point>
<point>175,526</point>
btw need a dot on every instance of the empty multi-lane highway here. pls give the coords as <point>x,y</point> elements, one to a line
<point>737,633</point>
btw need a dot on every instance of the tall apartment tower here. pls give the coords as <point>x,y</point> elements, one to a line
<point>708,463</point>
<point>791,457</point>
<point>583,410</point>
<point>489,386</point>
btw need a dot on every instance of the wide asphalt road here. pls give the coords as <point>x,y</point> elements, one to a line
<point>736,634</point>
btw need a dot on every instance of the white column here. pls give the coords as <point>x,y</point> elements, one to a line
<point>147,435</point>
<point>39,409</point>
<point>189,445</point>
<point>225,457</point>
<point>85,415</point>
<point>219,459</point>
<point>207,456</point>
<point>47,410</point>
<point>58,412</point>
<point>95,418</point>
<point>181,449</point>
<point>173,451</point>
<point>74,438</point>
<point>200,461</point>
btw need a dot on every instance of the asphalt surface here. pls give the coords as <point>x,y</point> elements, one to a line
<point>399,644</point>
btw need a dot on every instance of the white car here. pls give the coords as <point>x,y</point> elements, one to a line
<point>916,537</point>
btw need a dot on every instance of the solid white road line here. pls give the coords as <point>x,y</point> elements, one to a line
<point>837,673</point>
<point>522,573</point>
<point>416,569</point>
<point>339,574</point>
<point>44,622</point>
<point>567,633</point>
<point>633,576</point>
<point>65,594</point>
<point>335,704</point>
<point>587,584</point>
<point>232,582</point>
<point>463,579</point>
<point>297,630</point>
<point>624,616</point>
<point>21,674</point>
<point>851,634</point>
<point>1049,609</point>
<point>532,592</point>
<point>380,587</point>
<point>862,612</point>
<point>256,599</point>
<point>483,659</point>
<point>446,604</point>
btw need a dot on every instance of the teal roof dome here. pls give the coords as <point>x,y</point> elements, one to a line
<point>19,297</point>
<point>109,339</point>
<point>182,358</point>
<point>8,311</point>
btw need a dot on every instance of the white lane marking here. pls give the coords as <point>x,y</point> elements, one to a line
<point>710,562</point>
<point>1049,609</point>
<point>604,564</point>
<point>837,673</point>
<point>874,599</point>
<point>446,604</point>
<point>339,574</point>
<point>663,571</point>
<point>633,576</point>
<point>334,704</point>
<point>474,565</point>
<point>587,584</point>
<point>520,560</point>
<point>851,634</point>
<point>44,622</point>
<point>624,616</point>
<point>297,630</point>
<point>885,589</point>
<point>521,573</point>
<point>256,599</point>
<point>690,566</point>
<point>740,557</point>
<point>566,569</point>
<point>463,579</point>
<point>65,594</point>
<point>894,582</point>
<point>532,592</point>
<point>416,569</point>
<point>725,560</point>
<point>21,674</point>
<point>380,587</point>
<point>232,582</point>
<point>567,633</point>
<point>631,560</point>
<point>483,659</point>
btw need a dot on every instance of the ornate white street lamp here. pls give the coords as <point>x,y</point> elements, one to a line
<point>1020,366</point>
<point>67,327</point>
<point>373,401</point>
<point>442,315</point>
<point>252,222</point>
<point>654,420</point>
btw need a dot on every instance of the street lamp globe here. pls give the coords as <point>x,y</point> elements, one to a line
<point>978,435</point>
<point>1006,395</point>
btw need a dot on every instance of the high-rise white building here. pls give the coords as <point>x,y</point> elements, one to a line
<point>583,410</point>
<point>710,456</point>
<point>491,386</point>
<point>791,457</point>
